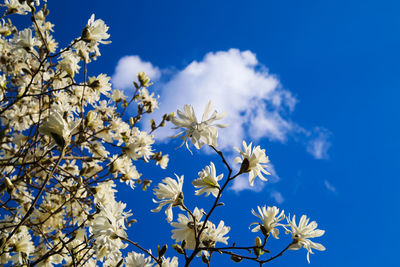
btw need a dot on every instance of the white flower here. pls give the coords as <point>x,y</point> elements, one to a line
<point>169,192</point>
<point>23,245</point>
<point>160,159</point>
<point>163,161</point>
<point>303,231</point>
<point>253,162</point>
<point>96,30</point>
<point>101,83</point>
<point>210,235</point>
<point>105,193</point>
<point>137,260</point>
<point>214,234</point>
<point>69,63</point>
<point>14,6</point>
<point>148,101</point>
<point>107,227</point>
<point>25,39</point>
<point>58,128</point>
<point>117,95</point>
<point>185,228</point>
<point>270,218</point>
<point>200,133</point>
<point>208,181</point>
<point>140,146</point>
<point>170,262</point>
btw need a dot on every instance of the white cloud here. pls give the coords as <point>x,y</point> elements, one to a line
<point>238,84</point>
<point>128,68</point>
<point>329,186</point>
<point>275,195</point>
<point>319,144</point>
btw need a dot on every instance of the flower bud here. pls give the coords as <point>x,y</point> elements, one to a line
<point>178,249</point>
<point>183,244</point>
<point>153,124</point>
<point>162,251</point>
<point>205,259</point>
<point>236,258</point>
<point>257,247</point>
<point>8,183</point>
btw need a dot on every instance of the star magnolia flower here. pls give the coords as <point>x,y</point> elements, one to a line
<point>170,262</point>
<point>301,233</point>
<point>14,6</point>
<point>169,192</point>
<point>254,161</point>
<point>25,39</point>
<point>96,30</point>
<point>185,228</point>
<point>215,234</point>
<point>58,128</point>
<point>69,63</point>
<point>270,218</point>
<point>210,235</point>
<point>208,181</point>
<point>23,245</point>
<point>140,146</point>
<point>200,133</point>
<point>137,260</point>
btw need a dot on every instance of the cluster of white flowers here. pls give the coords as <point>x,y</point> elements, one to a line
<point>65,143</point>
<point>301,233</point>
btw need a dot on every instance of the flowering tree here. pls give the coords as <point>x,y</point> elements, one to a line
<point>64,143</point>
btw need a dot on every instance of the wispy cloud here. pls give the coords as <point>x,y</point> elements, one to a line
<point>277,196</point>
<point>319,143</point>
<point>329,186</point>
<point>242,182</point>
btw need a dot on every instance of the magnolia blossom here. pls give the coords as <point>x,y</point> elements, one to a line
<point>200,133</point>
<point>185,228</point>
<point>140,146</point>
<point>169,192</point>
<point>253,161</point>
<point>69,63</point>
<point>101,83</point>
<point>137,260</point>
<point>96,30</point>
<point>208,181</point>
<point>58,128</point>
<point>23,245</point>
<point>163,161</point>
<point>14,6</point>
<point>148,101</point>
<point>270,218</point>
<point>25,39</point>
<point>215,234</point>
<point>209,236</point>
<point>107,228</point>
<point>170,262</point>
<point>301,234</point>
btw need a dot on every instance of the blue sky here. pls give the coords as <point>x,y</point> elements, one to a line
<point>327,80</point>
